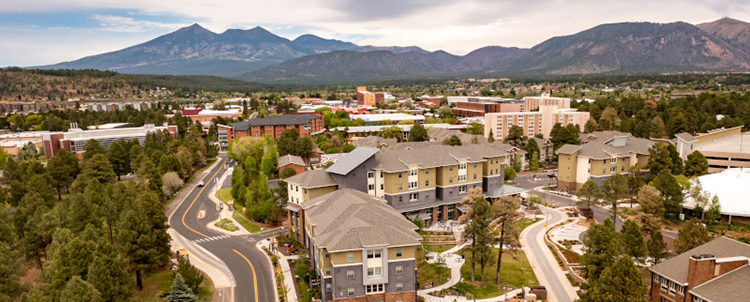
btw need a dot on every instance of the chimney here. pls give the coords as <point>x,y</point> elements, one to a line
<point>700,269</point>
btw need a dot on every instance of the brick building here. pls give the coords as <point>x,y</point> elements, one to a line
<point>715,271</point>
<point>305,124</point>
<point>291,161</point>
<point>75,139</point>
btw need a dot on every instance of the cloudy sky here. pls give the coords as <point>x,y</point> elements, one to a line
<point>38,32</point>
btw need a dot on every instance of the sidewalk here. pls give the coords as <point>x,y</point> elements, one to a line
<point>206,262</point>
<point>225,213</point>
<point>291,296</point>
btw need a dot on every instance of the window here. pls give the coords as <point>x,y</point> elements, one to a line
<point>428,211</point>
<point>450,168</point>
<point>613,170</point>
<point>426,183</point>
<point>450,179</point>
<point>372,254</point>
<point>681,289</point>
<point>462,166</point>
<point>664,283</point>
<point>413,185</point>
<point>426,194</point>
<point>382,186</point>
<point>399,174</point>
<point>381,174</point>
<point>374,271</point>
<point>461,178</point>
<point>613,160</point>
<point>475,165</point>
<point>604,170</point>
<point>475,176</point>
<point>399,287</point>
<point>672,287</point>
<point>350,274</point>
<point>328,271</point>
<point>296,188</point>
<point>374,288</point>
<point>370,174</point>
<point>400,198</point>
<point>349,257</point>
<point>413,172</point>
<point>305,191</point>
<point>461,189</point>
<point>656,277</point>
<point>604,161</point>
<point>400,187</point>
<point>399,270</point>
<point>328,288</point>
<point>427,171</point>
<point>371,187</point>
<point>413,197</point>
<point>350,291</point>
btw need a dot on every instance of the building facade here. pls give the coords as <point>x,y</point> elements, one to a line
<point>75,139</point>
<point>712,272</point>
<point>479,106</point>
<point>532,123</point>
<point>344,236</point>
<point>305,124</point>
<point>723,148</point>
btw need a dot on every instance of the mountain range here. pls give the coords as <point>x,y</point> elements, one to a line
<point>260,56</point>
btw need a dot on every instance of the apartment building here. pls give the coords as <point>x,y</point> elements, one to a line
<point>75,139</point>
<point>598,161</point>
<point>724,148</point>
<point>369,99</point>
<point>294,162</point>
<point>479,106</point>
<point>361,248</point>
<point>305,124</point>
<point>303,187</point>
<point>531,103</point>
<point>432,100</point>
<point>715,271</point>
<point>533,123</point>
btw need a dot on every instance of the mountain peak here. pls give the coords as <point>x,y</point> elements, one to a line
<point>195,28</point>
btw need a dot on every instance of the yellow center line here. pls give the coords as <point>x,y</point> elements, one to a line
<point>196,198</point>
<point>255,280</point>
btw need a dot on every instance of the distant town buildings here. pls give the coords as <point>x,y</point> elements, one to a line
<point>206,115</point>
<point>715,271</point>
<point>533,123</point>
<point>75,139</point>
<point>479,106</point>
<point>305,124</point>
<point>393,118</point>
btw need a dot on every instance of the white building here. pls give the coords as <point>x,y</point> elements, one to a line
<point>730,186</point>
<point>533,123</point>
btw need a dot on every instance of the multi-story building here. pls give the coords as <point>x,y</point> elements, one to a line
<point>723,148</point>
<point>715,271</point>
<point>531,103</point>
<point>598,161</point>
<point>369,99</point>
<point>305,124</point>
<point>303,187</point>
<point>75,139</point>
<point>293,162</point>
<point>432,100</point>
<point>360,248</point>
<point>532,123</point>
<point>393,118</point>
<point>479,106</point>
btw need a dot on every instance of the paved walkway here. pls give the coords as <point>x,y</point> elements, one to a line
<point>570,232</point>
<point>291,295</point>
<point>206,262</point>
<point>224,213</point>
<point>544,264</point>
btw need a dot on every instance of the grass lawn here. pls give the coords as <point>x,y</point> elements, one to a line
<point>439,248</point>
<point>526,222</point>
<point>516,272</point>
<point>158,284</point>
<point>432,273</point>
<point>246,223</point>
<point>227,225</point>
<point>224,194</point>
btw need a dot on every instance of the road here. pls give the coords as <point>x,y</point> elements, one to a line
<point>252,273</point>
<point>547,271</point>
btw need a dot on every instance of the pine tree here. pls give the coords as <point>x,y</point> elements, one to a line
<point>92,148</point>
<point>632,240</point>
<point>670,190</point>
<point>615,188</point>
<point>588,194</point>
<point>481,234</point>
<point>600,249</point>
<point>192,276</point>
<point>78,290</point>
<point>657,248</point>
<point>108,273</point>
<point>506,227</point>
<point>620,282</point>
<point>691,235</point>
<point>180,292</point>
<point>119,158</point>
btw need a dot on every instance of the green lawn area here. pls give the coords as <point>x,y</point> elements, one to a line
<point>516,272</point>
<point>246,223</point>
<point>227,225</point>
<point>526,222</point>
<point>439,248</point>
<point>224,194</point>
<point>432,273</point>
<point>158,284</point>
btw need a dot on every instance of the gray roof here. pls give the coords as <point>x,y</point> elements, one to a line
<point>440,134</point>
<point>676,268</point>
<point>430,155</point>
<point>374,141</point>
<point>601,136</point>
<point>312,179</point>
<point>602,150</point>
<point>541,141</point>
<point>686,137</point>
<point>504,190</point>
<point>727,287</point>
<point>290,159</point>
<point>348,219</point>
<point>273,120</point>
<point>352,160</point>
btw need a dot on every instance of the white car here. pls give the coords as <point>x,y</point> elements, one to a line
<point>200,183</point>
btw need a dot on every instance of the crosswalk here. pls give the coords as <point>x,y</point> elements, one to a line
<point>207,239</point>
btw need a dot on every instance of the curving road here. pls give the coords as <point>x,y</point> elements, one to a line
<point>252,273</point>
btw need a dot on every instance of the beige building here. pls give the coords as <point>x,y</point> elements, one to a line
<point>723,148</point>
<point>533,123</point>
<point>303,187</point>
<point>598,161</point>
<point>531,103</point>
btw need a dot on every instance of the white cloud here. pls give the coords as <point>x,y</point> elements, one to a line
<point>455,26</point>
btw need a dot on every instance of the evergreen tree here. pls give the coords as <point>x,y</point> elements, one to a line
<point>92,148</point>
<point>659,159</point>
<point>620,282</point>
<point>696,164</point>
<point>506,227</point>
<point>481,233</point>
<point>632,240</point>
<point>97,167</point>
<point>515,136</point>
<point>657,248</point>
<point>119,158</point>
<point>517,164</point>
<point>510,174</point>
<point>192,276</point>
<point>109,275</point>
<point>588,194</point>
<point>180,292</point>
<point>615,188</point>
<point>670,190</point>
<point>652,209</point>
<point>143,237</point>
<point>78,290</point>
<point>600,249</point>
<point>692,234</point>
<point>304,147</point>
<point>418,133</point>
<point>62,172</point>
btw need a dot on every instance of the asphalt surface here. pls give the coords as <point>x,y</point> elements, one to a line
<point>252,273</point>
<point>555,289</point>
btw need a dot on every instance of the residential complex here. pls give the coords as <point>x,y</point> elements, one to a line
<point>532,123</point>
<point>305,124</point>
<point>75,139</point>
<point>598,160</point>
<point>723,148</point>
<point>294,162</point>
<point>532,103</point>
<point>361,248</point>
<point>715,271</point>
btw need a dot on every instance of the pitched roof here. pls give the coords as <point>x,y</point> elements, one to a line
<point>601,136</point>
<point>676,268</point>
<point>352,160</point>
<point>295,119</point>
<point>725,287</point>
<point>431,154</point>
<point>686,137</point>
<point>541,141</point>
<point>374,141</point>
<point>348,219</point>
<point>568,149</point>
<point>615,146</point>
<point>290,159</point>
<point>312,179</point>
